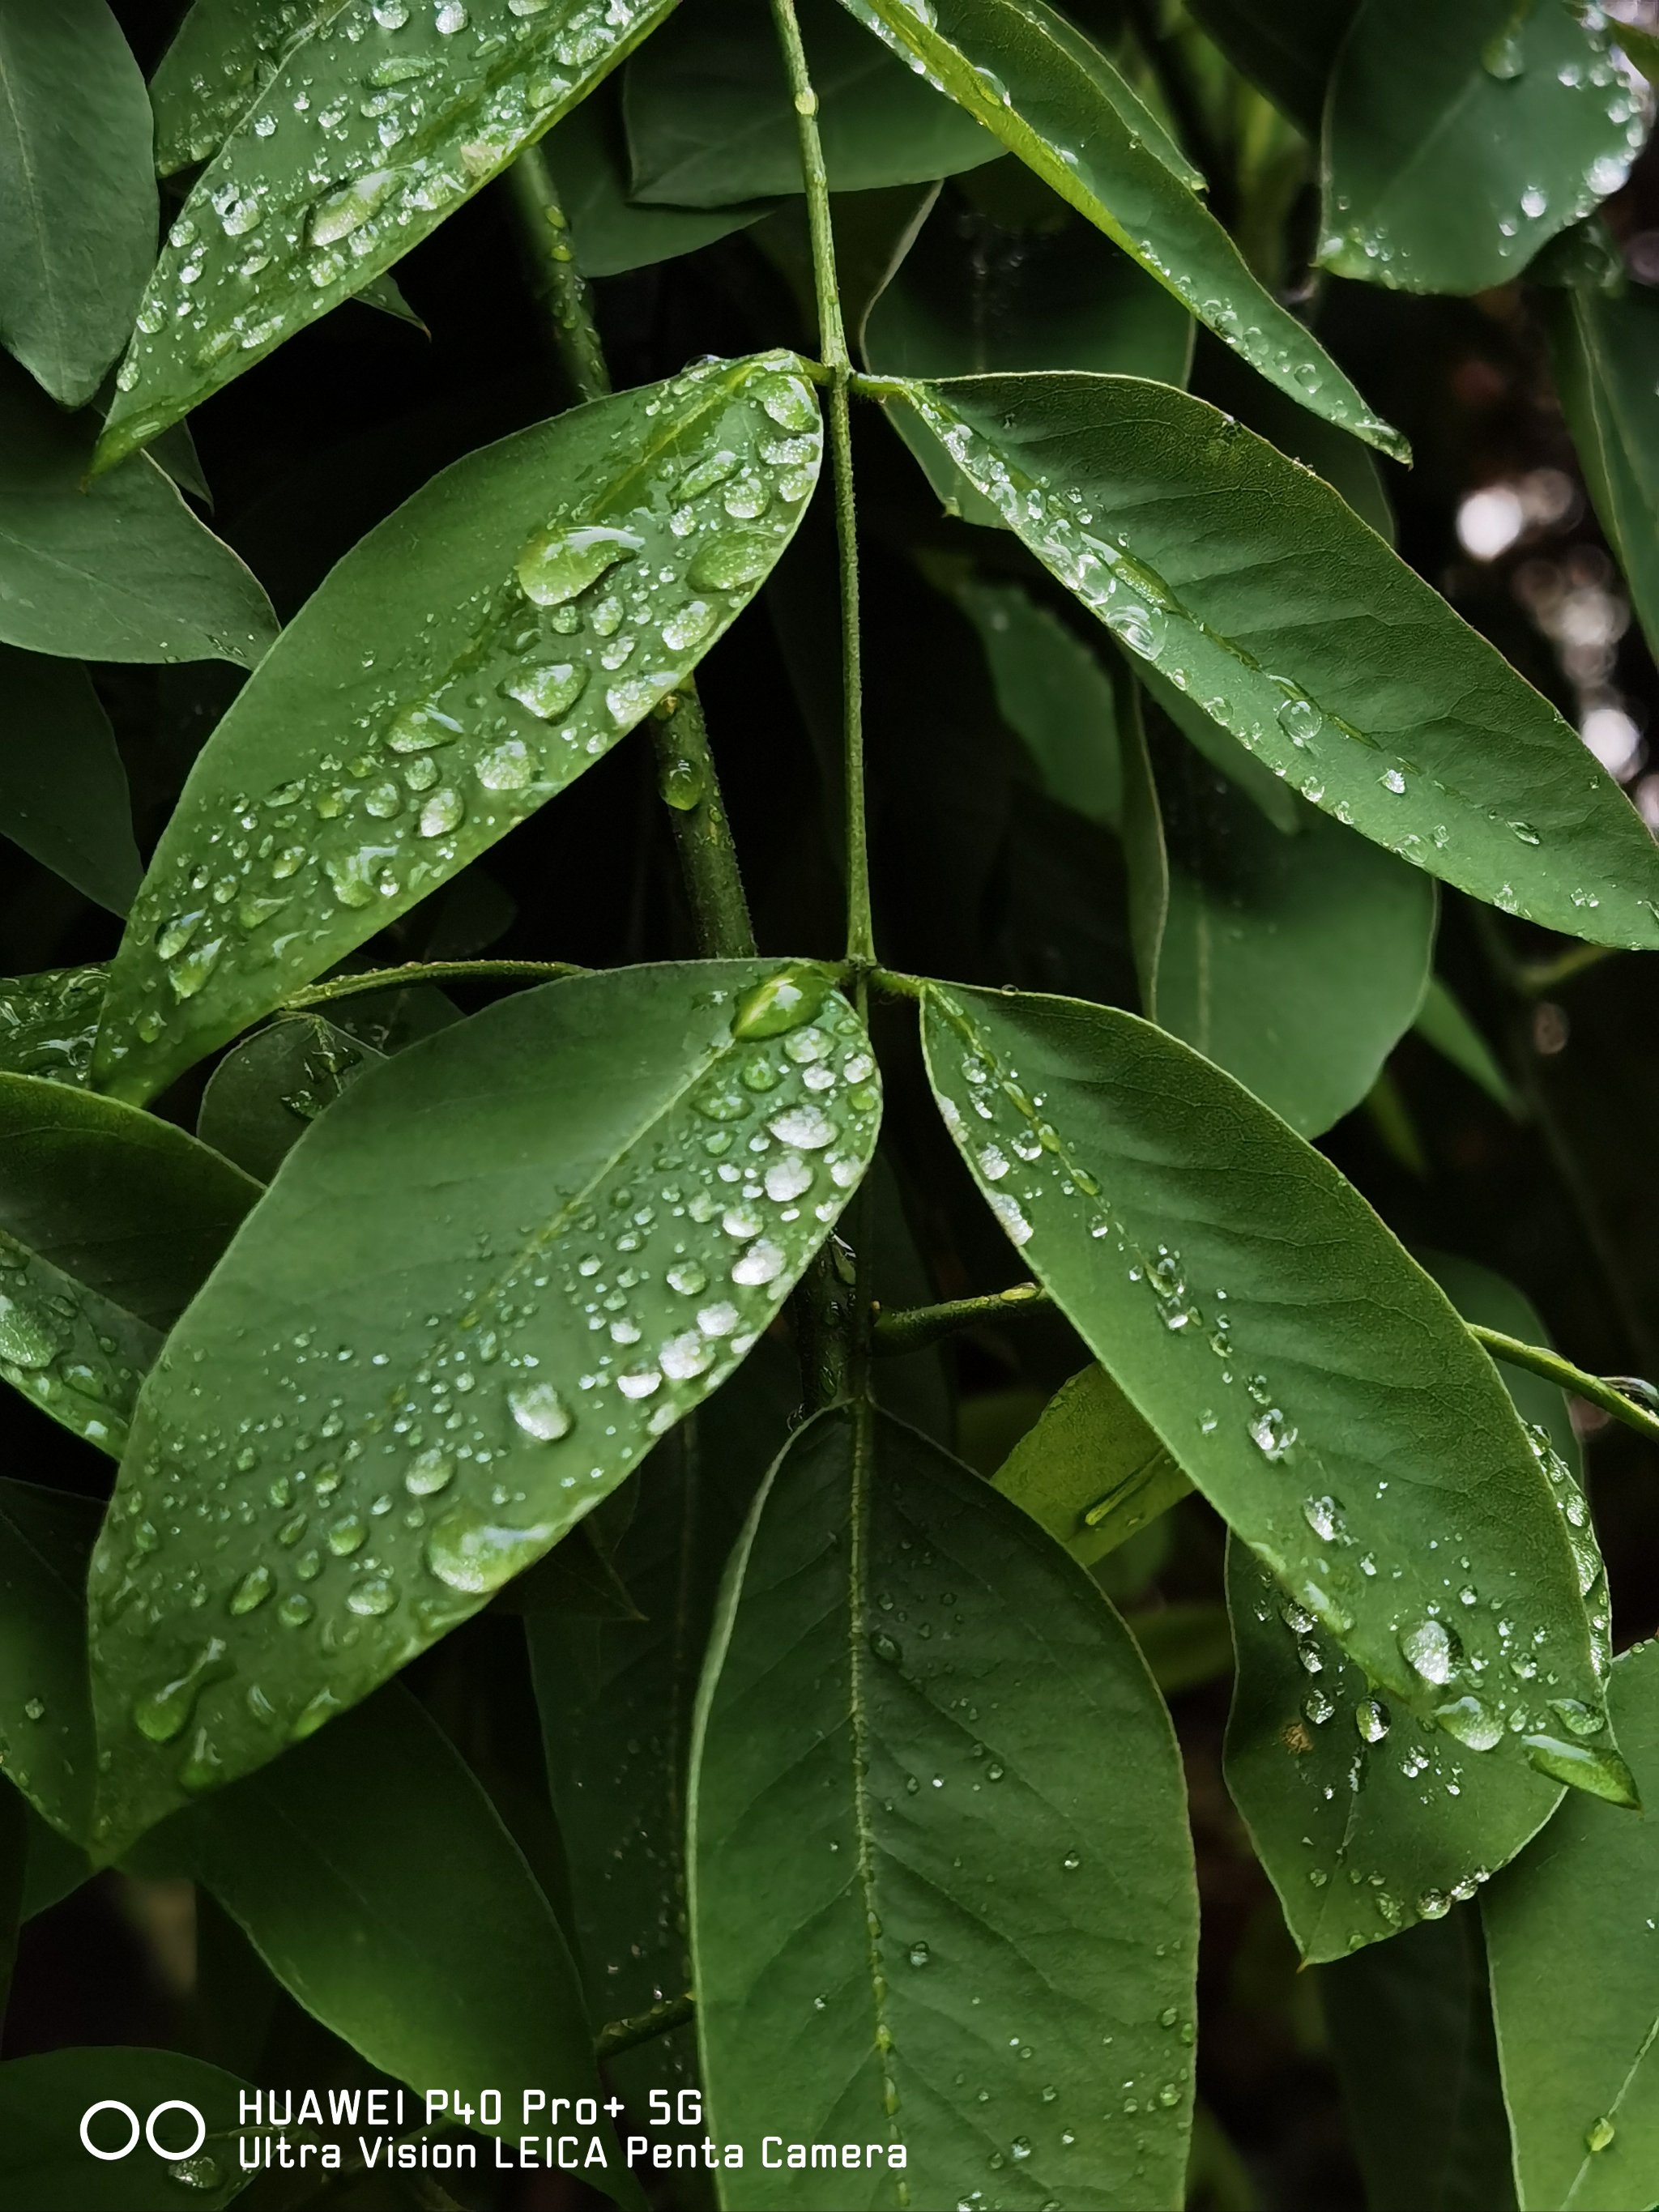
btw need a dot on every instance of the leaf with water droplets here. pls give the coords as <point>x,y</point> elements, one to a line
<point>1458,140</point>
<point>1603,346</point>
<point>917,1913</point>
<point>63,793</point>
<point>48,1022</point>
<point>1570,1939</point>
<point>43,2100</point>
<point>262,1098</point>
<point>481,1286</point>
<point>381,120</point>
<point>223,56</point>
<point>46,1713</point>
<point>1253,588</point>
<point>1309,1377</point>
<point>80,195</point>
<point>1056,101</point>
<point>109,1221</point>
<point>1090,1471</point>
<point>467,661</point>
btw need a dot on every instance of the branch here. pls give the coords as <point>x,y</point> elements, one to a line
<point>1612,1394</point>
<point>916,1328</point>
<point>624,2034</point>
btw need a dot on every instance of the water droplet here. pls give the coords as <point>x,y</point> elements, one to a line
<point>540,1412</point>
<point>1601,1772</point>
<point>550,691</point>
<point>919,1954</point>
<point>443,811</point>
<point>1429,1650</point>
<point>471,1552</point>
<point>253,1591</point>
<point>1371,1717</point>
<point>561,562</point>
<point>429,1472</point>
<point>1598,2135</point>
<point>510,767</point>
<point>886,1648</point>
<point>782,1003</point>
<point>1472,1723</point>
<point>732,559</point>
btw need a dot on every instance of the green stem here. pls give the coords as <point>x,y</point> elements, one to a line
<point>427,971</point>
<point>915,1328</point>
<point>644,2027</point>
<point>832,344</point>
<point>557,282</point>
<point>1538,976</point>
<point>1596,1389</point>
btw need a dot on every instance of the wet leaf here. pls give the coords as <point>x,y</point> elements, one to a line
<point>42,2101</point>
<point>109,1221</point>
<point>1602,344</point>
<point>80,193</point>
<point>46,1709</point>
<point>1249,585</point>
<point>1457,141</point>
<point>466,660</point>
<point>262,1097</point>
<point>887,1826</point>
<point>1056,101</point>
<point>379,122</point>
<point>63,793</point>
<point>479,1288</point>
<point>1308,1376</point>
<point>48,1022</point>
<point>1090,1471</point>
<point>1572,1983</point>
<point>223,54</point>
<point>121,570</point>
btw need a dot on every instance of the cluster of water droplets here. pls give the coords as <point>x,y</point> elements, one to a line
<point>380,1495</point>
<point>48,1023</point>
<point>372,130</point>
<point>446,741</point>
<point>77,1356</point>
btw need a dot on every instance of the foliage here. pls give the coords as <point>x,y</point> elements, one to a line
<point>817,1316</point>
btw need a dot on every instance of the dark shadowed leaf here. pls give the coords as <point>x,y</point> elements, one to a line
<point>42,2099</point>
<point>610,230</point>
<point>1442,1022</point>
<point>1603,347</point>
<point>62,789</point>
<point>1053,694</point>
<point>479,1288</point>
<point>46,1711</point>
<point>466,660</point>
<point>262,1097</point>
<point>1091,1470</point>
<point>1254,587</point>
<point>1288,46</point>
<point>891,1819</point>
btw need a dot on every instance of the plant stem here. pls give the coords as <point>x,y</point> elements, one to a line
<point>427,971</point>
<point>832,344</point>
<point>915,1328</point>
<point>624,2034</point>
<point>679,734</point>
<point>1538,976</point>
<point>1596,1389</point>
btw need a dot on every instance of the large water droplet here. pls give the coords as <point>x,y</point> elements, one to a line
<point>561,563</point>
<point>476,1554</point>
<point>540,1412</point>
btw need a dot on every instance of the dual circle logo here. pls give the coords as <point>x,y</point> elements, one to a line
<point>171,2153</point>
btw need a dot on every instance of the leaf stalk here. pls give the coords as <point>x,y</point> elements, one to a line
<point>1595,1389</point>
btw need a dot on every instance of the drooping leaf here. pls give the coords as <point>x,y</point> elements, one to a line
<point>1308,1376</point>
<point>1410,2029</point>
<point>480,1286</point>
<point>611,231</point>
<point>223,56</point>
<point>262,1097</point>
<point>43,2100</point>
<point>46,1709</point>
<point>1056,101</point>
<point>1250,585</point>
<point>1297,963</point>
<point>378,123</point>
<point>1289,47</point>
<point>79,191</point>
<point>109,1221</point>
<point>13,1864</point>
<point>937,1822</point>
<point>1602,346</point>
<point>120,570</point>
<point>710,123</point>
<point>1572,1983</point>
<point>62,789</point>
<point>466,660</point>
<point>1090,1471</point>
<point>1458,140</point>
<point>1053,694</point>
<point>1442,1022</point>
<point>48,1022</point>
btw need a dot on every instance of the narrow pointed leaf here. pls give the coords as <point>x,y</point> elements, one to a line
<point>466,660</point>
<point>379,123</point>
<point>79,191</point>
<point>1056,101</point>
<point>109,1221</point>
<point>1458,140</point>
<point>1602,344</point>
<point>937,1822</point>
<point>1442,1022</point>
<point>45,1709</point>
<point>1090,1471</point>
<point>480,1287</point>
<point>1053,694</point>
<point>118,570</point>
<point>48,1022</point>
<point>1573,1986</point>
<point>223,56</point>
<point>1251,587</point>
<point>1309,1377</point>
<point>44,2099</point>
<point>64,794</point>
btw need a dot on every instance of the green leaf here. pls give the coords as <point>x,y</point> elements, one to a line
<point>262,1097</point>
<point>55,1868</point>
<point>1442,1022</point>
<point>1570,1954</point>
<point>14,1863</point>
<point>1642,47</point>
<point>1411,2032</point>
<point>120,570</point>
<point>1053,694</point>
<point>77,183</point>
<point>612,232</point>
<point>1289,47</point>
<point>46,1711</point>
<point>1090,1471</point>
<point>1458,140</point>
<point>710,123</point>
<point>62,789</point>
<point>1297,963</point>
<point>1308,1376</point>
<point>48,1022</point>
<point>43,2100</point>
<point>1602,344</point>
<point>329,1861</point>
<point>466,660</point>
<point>1057,102</point>
<point>1251,587</point>
<point>478,1289</point>
<point>109,1221</point>
<point>223,54</point>
<point>379,122</point>
<point>905,1876</point>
